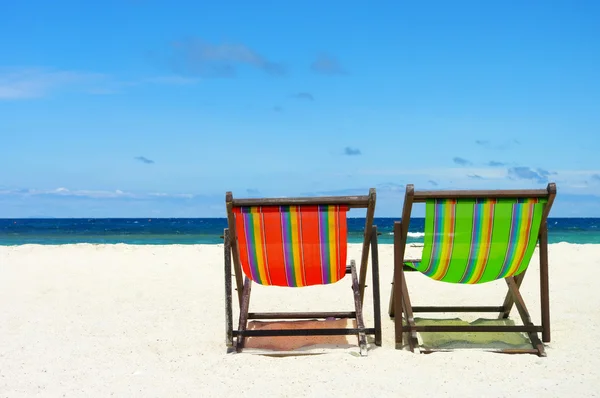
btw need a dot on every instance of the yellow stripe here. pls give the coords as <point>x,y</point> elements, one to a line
<point>258,241</point>
<point>296,245</point>
<point>522,238</point>
<point>332,242</point>
<point>445,253</point>
<point>485,242</point>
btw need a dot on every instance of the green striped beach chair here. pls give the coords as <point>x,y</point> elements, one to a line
<point>474,237</point>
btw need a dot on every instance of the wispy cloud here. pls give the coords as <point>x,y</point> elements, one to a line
<point>545,173</point>
<point>497,145</point>
<point>198,57</point>
<point>166,195</point>
<point>493,163</point>
<point>475,177</point>
<point>63,202</point>
<point>445,173</point>
<point>92,194</point>
<point>328,65</point>
<point>383,188</point>
<point>67,192</point>
<point>527,173</point>
<point>107,204</point>
<point>144,159</point>
<point>304,96</point>
<point>391,186</point>
<point>435,184</point>
<point>339,192</point>
<point>36,82</point>
<point>174,80</point>
<point>572,181</point>
<point>349,151</point>
<point>25,83</point>
<point>461,161</point>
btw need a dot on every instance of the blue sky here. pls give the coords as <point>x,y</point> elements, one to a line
<point>154,109</point>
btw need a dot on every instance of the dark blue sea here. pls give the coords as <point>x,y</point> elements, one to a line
<point>187,231</point>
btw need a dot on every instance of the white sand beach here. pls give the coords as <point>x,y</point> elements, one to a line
<point>148,321</point>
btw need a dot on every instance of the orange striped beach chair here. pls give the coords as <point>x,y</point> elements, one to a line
<point>297,242</point>
<point>474,237</point>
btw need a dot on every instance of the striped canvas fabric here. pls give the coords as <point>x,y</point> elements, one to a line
<point>479,240</point>
<point>292,245</point>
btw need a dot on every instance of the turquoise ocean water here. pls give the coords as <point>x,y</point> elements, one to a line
<point>167,231</point>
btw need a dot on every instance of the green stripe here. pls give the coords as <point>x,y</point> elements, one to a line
<point>463,234</point>
<point>323,214</point>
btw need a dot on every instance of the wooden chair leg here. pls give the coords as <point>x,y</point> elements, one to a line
<point>397,305</point>
<point>544,284</point>
<point>376,292</point>
<point>228,291</point>
<point>524,314</point>
<point>391,311</point>
<point>402,302</point>
<point>362,338</point>
<point>243,323</point>
<point>413,341</point>
<point>508,300</point>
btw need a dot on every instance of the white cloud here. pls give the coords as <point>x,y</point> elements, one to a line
<point>92,194</point>
<point>65,202</point>
<point>440,173</point>
<point>34,82</point>
<point>37,82</point>
<point>172,195</point>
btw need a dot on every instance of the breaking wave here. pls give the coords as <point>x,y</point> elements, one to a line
<point>413,234</point>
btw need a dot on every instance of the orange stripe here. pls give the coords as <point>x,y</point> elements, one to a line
<point>264,249</point>
<point>274,248</point>
<point>310,244</point>
<point>242,245</point>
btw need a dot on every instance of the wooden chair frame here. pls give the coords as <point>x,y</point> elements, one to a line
<point>243,287</point>
<point>399,297</point>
